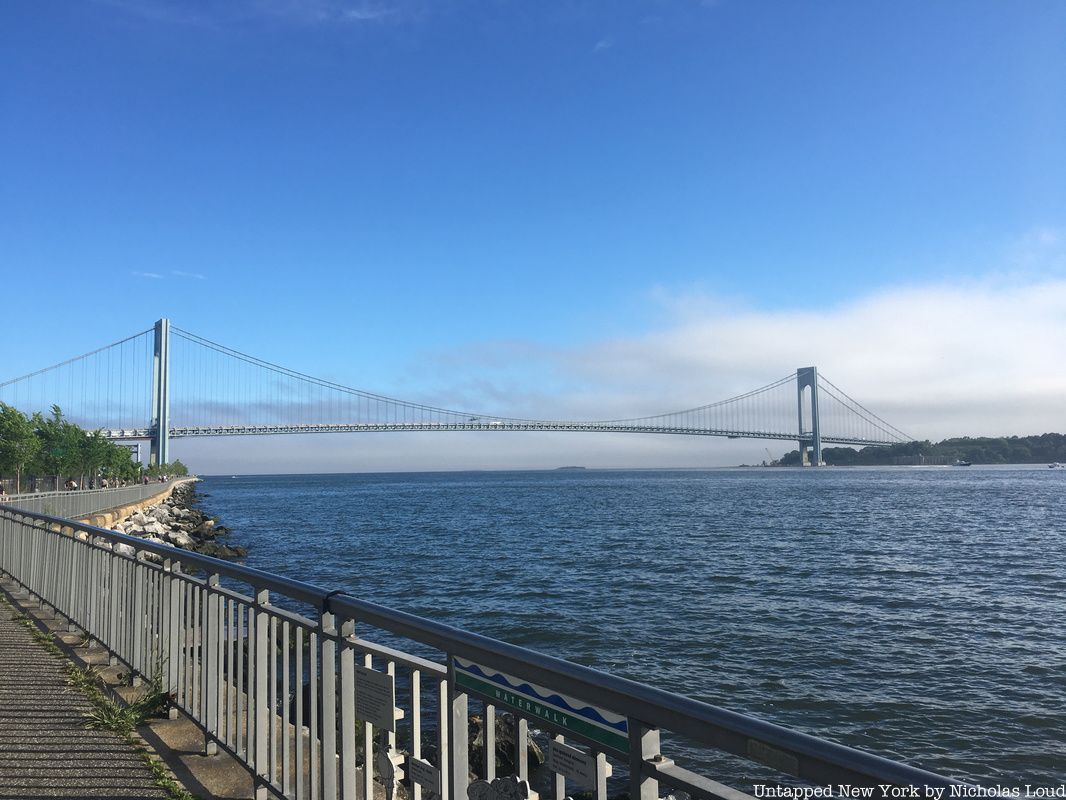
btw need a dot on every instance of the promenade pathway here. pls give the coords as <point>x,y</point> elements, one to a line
<point>45,748</point>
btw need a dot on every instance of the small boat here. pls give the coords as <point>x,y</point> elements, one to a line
<point>960,463</point>
<point>1056,465</point>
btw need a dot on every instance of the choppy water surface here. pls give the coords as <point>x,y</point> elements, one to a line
<point>916,613</point>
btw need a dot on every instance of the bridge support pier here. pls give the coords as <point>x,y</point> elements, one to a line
<point>160,448</point>
<point>810,440</point>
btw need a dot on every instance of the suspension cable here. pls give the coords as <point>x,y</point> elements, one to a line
<point>72,360</point>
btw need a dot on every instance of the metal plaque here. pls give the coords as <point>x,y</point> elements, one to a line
<point>424,774</point>
<point>575,764</point>
<point>375,698</point>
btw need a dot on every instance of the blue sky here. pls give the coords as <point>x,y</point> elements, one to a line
<point>463,201</point>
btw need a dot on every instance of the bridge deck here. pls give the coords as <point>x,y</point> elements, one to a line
<point>493,425</point>
<point>45,748</point>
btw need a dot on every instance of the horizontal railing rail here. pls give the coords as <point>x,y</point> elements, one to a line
<point>273,670</point>
<point>82,502</point>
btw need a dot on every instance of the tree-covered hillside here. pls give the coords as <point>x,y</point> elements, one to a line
<point>1042,449</point>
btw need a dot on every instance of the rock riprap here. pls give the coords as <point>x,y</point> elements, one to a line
<point>177,522</point>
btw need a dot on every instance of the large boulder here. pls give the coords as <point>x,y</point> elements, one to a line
<point>139,519</point>
<point>221,550</point>
<point>155,528</point>
<point>205,535</point>
<point>179,539</point>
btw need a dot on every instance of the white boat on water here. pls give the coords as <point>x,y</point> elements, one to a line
<point>1056,465</point>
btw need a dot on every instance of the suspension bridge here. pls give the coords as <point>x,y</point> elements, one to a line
<point>165,383</point>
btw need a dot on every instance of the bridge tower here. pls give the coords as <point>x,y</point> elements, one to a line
<point>159,452</point>
<point>807,377</point>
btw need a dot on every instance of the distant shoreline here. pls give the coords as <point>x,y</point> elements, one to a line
<point>251,475</point>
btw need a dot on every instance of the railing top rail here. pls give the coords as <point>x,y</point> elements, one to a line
<point>297,590</point>
<point>8,498</point>
<point>809,757</point>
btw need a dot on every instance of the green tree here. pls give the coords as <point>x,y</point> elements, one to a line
<point>18,443</point>
<point>60,452</point>
<point>120,462</point>
<point>94,451</point>
<point>173,469</point>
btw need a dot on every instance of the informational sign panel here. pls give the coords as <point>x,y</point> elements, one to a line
<point>575,764</point>
<point>424,774</point>
<point>538,702</point>
<point>375,698</point>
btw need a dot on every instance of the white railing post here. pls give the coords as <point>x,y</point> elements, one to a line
<point>349,787</point>
<point>209,655</point>
<point>169,646</point>
<point>328,690</point>
<point>263,712</point>
<point>643,745</point>
<point>459,740</point>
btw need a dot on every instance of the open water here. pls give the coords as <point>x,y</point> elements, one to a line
<point>918,613</point>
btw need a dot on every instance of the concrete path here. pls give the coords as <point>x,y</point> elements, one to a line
<point>45,748</point>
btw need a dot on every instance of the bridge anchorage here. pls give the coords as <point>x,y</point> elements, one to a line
<point>165,383</point>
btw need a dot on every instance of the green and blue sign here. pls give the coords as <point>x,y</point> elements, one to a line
<point>537,702</point>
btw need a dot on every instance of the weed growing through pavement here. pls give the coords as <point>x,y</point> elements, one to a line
<point>46,639</point>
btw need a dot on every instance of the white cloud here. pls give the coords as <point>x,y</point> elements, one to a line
<point>153,275</point>
<point>982,358</point>
<point>602,44</point>
<point>181,274</point>
<point>370,12</point>
<point>300,12</point>
<point>161,11</point>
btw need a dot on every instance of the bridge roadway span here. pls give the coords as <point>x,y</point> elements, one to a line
<point>491,425</point>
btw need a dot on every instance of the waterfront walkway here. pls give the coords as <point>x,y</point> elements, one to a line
<point>45,748</point>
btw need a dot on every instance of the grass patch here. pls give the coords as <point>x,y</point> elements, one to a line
<point>84,679</point>
<point>46,639</point>
<point>108,714</point>
<point>160,773</point>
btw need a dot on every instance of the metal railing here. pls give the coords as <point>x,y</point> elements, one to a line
<point>287,677</point>
<point>82,502</point>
